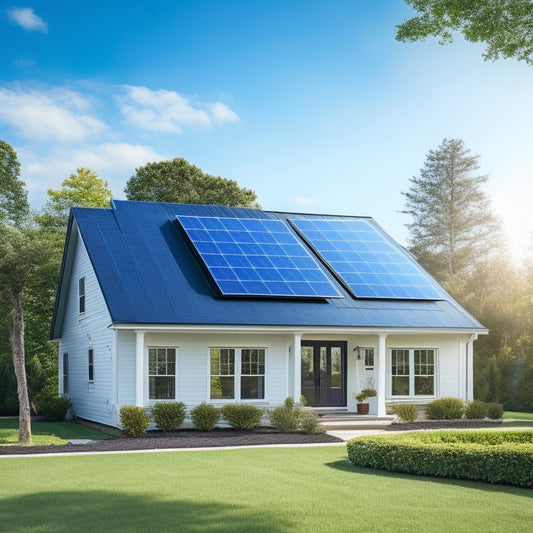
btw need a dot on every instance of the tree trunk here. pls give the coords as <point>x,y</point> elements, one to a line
<point>17,347</point>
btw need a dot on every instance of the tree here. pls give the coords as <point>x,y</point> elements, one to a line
<point>452,227</point>
<point>505,26</point>
<point>84,188</point>
<point>14,205</point>
<point>177,181</point>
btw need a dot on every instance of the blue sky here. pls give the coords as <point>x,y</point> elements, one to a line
<point>312,104</point>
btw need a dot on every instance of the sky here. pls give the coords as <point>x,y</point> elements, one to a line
<point>312,104</point>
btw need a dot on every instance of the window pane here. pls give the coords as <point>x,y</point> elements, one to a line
<point>400,386</point>
<point>253,387</point>
<point>161,388</point>
<point>222,387</point>
<point>424,385</point>
<point>369,357</point>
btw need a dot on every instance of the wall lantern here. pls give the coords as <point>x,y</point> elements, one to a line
<point>357,351</point>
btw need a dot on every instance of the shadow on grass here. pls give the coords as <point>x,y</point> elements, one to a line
<point>347,466</point>
<point>64,512</point>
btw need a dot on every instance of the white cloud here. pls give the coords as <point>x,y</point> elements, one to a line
<point>51,115</point>
<point>27,19</point>
<point>301,201</point>
<point>167,111</point>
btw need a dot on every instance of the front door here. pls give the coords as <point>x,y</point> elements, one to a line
<point>324,373</point>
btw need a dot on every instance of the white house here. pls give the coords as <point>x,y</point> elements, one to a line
<point>206,303</point>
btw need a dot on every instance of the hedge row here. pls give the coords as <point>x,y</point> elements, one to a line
<point>502,457</point>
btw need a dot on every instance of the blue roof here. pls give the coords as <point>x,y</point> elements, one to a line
<point>148,275</point>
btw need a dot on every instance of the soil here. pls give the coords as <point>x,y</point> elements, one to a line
<point>445,424</point>
<point>159,440</point>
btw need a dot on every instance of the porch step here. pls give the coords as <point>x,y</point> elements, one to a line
<point>354,421</point>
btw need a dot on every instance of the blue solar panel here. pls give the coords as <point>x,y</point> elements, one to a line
<point>256,257</point>
<point>368,262</point>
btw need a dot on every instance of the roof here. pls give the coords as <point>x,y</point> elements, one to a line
<point>149,275</point>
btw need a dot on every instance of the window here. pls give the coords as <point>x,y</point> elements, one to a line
<point>81,294</point>
<point>237,373</point>
<point>369,358</point>
<point>91,364</point>
<point>161,373</point>
<point>412,372</point>
<point>65,373</point>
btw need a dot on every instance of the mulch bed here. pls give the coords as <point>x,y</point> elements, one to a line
<point>445,424</point>
<point>160,440</point>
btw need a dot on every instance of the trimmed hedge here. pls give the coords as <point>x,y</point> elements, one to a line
<point>292,417</point>
<point>502,457</point>
<point>169,415</point>
<point>134,420</point>
<point>406,412</point>
<point>242,416</point>
<point>445,409</point>
<point>205,416</point>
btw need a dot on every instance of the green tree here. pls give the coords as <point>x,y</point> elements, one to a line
<point>84,188</point>
<point>453,226</point>
<point>177,181</point>
<point>505,26</point>
<point>14,207</point>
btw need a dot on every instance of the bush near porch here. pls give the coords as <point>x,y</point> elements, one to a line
<point>503,457</point>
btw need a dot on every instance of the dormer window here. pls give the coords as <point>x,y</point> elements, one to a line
<point>81,295</point>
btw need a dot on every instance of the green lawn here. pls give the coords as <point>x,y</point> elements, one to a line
<point>259,490</point>
<point>518,416</point>
<point>48,432</point>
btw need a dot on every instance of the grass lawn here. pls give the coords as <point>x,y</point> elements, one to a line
<point>518,416</point>
<point>524,420</point>
<point>259,490</point>
<point>48,432</point>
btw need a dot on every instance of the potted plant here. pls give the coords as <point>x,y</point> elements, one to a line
<point>371,394</point>
<point>362,405</point>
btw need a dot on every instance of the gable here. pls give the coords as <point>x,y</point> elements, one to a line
<point>149,274</point>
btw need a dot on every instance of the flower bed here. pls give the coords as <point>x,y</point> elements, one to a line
<point>504,457</point>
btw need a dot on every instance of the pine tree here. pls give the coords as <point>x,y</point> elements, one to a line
<point>452,226</point>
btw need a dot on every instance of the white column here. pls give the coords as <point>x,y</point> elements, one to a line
<point>297,368</point>
<point>470,367</point>
<point>139,368</point>
<point>381,375</point>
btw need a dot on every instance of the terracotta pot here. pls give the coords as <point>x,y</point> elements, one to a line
<point>362,408</point>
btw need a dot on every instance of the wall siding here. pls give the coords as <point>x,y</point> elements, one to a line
<point>93,401</point>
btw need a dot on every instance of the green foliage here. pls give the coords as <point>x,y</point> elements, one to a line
<point>369,393</point>
<point>492,456</point>
<point>503,25</point>
<point>445,409</point>
<point>361,397</point>
<point>177,181</point>
<point>242,416</point>
<point>168,415</point>
<point>14,207</point>
<point>56,407</point>
<point>406,412</point>
<point>494,410</point>
<point>476,410</point>
<point>452,226</point>
<point>292,417</point>
<point>134,420</point>
<point>205,416</point>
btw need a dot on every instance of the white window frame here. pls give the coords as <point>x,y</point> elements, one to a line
<point>64,372</point>
<point>237,375</point>
<point>82,292</point>
<point>90,365</point>
<point>148,375</point>
<point>411,375</point>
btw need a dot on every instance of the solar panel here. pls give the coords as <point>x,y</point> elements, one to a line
<point>256,257</point>
<point>366,260</point>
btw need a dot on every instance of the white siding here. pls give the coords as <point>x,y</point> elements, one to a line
<point>93,401</point>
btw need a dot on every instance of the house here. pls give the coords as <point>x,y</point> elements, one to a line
<point>197,303</point>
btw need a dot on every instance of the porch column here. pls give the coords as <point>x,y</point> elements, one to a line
<point>139,368</point>
<point>470,367</point>
<point>381,375</point>
<point>297,369</point>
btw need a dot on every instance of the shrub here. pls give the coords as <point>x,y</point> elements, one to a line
<point>169,415</point>
<point>56,407</point>
<point>406,412</point>
<point>369,393</point>
<point>205,416</point>
<point>134,421</point>
<point>492,456</point>
<point>242,416</point>
<point>445,409</point>
<point>310,423</point>
<point>494,410</point>
<point>476,409</point>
